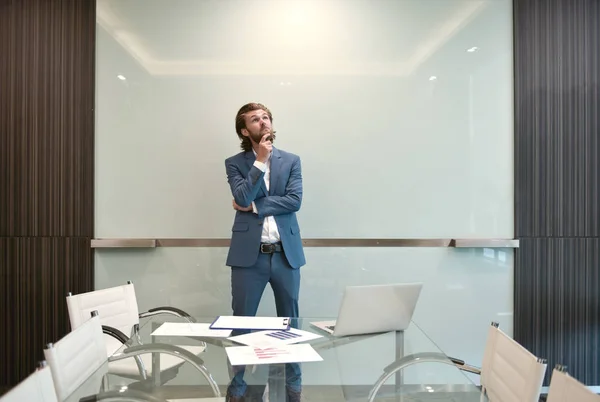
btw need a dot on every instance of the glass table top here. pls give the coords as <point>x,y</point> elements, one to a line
<point>405,365</point>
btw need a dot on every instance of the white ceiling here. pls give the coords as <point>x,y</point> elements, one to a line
<point>187,37</point>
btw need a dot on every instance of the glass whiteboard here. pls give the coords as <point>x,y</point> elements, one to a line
<point>401,112</point>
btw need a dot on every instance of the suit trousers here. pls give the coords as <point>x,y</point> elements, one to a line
<point>247,287</point>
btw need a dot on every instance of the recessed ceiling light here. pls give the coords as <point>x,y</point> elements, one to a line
<point>472,49</point>
<point>121,77</point>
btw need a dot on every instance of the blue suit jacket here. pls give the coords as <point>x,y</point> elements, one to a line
<point>281,201</point>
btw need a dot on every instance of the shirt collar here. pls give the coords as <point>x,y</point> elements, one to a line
<point>268,159</point>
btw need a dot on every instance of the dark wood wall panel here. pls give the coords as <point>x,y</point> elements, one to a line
<point>557,302</point>
<point>47,84</point>
<point>557,173</point>
<point>557,115</point>
<point>40,271</point>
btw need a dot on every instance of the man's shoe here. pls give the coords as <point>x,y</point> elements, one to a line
<point>294,396</point>
<point>232,398</point>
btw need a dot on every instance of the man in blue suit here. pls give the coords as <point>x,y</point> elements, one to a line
<point>266,184</point>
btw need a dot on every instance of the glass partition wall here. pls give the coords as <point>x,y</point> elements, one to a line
<point>401,112</point>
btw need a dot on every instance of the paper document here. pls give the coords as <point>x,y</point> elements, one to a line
<point>242,355</point>
<point>274,338</point>
<point>232,322</point>
<point>189,329</point>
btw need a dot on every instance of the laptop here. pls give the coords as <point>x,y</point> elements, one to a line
<point>374,308</point>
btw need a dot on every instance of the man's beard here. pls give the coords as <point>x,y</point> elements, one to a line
<point>256,137</point>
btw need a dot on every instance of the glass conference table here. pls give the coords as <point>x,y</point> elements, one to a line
<point>394,366</point>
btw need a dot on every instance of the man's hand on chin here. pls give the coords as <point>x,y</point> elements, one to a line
<point>238,208</point>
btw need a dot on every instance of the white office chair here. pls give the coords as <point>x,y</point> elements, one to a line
<point>38,386</point>
<point>75,357</point>
<point>119,315</point>
<point>509,373</point>
<point>564,388</point>
<point>78,366</point>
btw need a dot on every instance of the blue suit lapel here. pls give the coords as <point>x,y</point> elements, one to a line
<point>275,170</point>
<point>250,158</point>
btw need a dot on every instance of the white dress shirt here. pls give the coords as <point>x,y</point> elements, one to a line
<point>270,234</point>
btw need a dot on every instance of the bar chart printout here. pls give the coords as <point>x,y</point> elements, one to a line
<point>242,355</point>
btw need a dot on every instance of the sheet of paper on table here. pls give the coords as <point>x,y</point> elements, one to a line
<point>190,329</point>
<point>274,338</point>
<point>259,323</point>
<point>242,355</point>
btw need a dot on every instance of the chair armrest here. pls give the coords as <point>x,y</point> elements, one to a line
<point>464,366</point>
<point>167,310</point>
<point>120,336</point>
<point>409,360</point>
<point>173,350</point>
<point>115,333</point>
<point>122,395</point>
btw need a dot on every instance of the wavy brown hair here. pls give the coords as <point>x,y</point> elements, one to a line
<point>240,123</point>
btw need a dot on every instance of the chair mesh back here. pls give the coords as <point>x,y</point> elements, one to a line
<point>38,386</point>
<point>564,388</point>
<point>76,357</point>
<point>117,307</point>
<point>510,373</point>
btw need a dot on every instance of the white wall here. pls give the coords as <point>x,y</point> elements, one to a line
<point>387,149</point>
